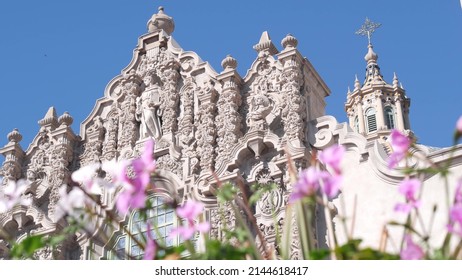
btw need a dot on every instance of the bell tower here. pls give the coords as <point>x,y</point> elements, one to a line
<point>376,107</point>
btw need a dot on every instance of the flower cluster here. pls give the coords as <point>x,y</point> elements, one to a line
<point>151,245</point>
<point>13,194</point>
<point>400,144</point>
<point>189,212</point>
<point>132,196</point>
<point>411,251</point>
<point>312,179</point>
<point>409,188</point>
<point>455,213</point>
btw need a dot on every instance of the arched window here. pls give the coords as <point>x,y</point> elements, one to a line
<point>389,118</point>
<point>371,120</point>
<point>162,219</point>
<point>356,124</point>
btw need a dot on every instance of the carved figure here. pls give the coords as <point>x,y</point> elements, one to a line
<point>147,110</point>
<point>260,108</point>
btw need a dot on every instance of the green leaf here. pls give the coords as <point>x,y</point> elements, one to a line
<point>320,254</point>
<point>55,240</point>
<point>226,192</point>
<point>259,190</point>
<point>219,250</point>
<point>352,251</point>
<point>27,247</point>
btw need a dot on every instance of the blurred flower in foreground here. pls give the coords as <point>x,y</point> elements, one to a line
<point>400,144</point>
<point>307,184</point>
<point>133,194</point>
<point>458,133</point>
<point>189,211</point>
<point>455,213</point>
<point>459,125</point>
<point>409,188</point>
<point>151,246</point>
<point>332,157</point>
<point>71,203</point>
<point>13,195</point>
<point>411,251</point>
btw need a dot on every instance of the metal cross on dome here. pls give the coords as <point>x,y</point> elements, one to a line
<point>367,29</point>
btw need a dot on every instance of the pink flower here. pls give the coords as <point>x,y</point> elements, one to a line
<point>458,195</point>
<point>184,232</point>
<point>117,170</point>
<point>144,166</point>
<point>307,184</point>
<point>151,246</point>
<point>331,186</point>
<point>133,194</point>
<point>455,216</point>
<point>87,177</point>
<point>13,194</point>
<point>411,251</point>
<point>400,145</point>
<point>71,203</point>
<point>409,188</point>
<point>189,212</point>
<point>133,198</point>
<point>459,125</point>
<point>332,157</point>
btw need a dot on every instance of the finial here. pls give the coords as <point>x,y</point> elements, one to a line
<point>371,56</point>
<point>265,44</point>
<point>357,84</point>
<point>50,118</point>
<point>229,63</point>
<point>66,119</point>
<point>367,29</point>
<point>161,21</point>
<point>14,136</point>
<point>395,80</point>
<point>349,91</point>
<point>401,85</point>
<point>289,42</point>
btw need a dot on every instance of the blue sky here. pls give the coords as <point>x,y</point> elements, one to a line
<point>63,53</point>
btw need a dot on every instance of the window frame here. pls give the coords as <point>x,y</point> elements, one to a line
<point>371,118</point>
<point>390,117</point>
<point>129,247</point>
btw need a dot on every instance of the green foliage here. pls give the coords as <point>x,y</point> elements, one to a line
<point>219,250</point>
<point>27,247</point>
<point>353,251</point>
<point>258,190</point>
<point>227,192</point>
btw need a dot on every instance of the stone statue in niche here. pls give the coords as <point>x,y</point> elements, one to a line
<point>147,109</point>
<point>260,107</point>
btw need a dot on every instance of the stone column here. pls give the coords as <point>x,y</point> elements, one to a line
<point>206,129</point>
<point>11,168</point>
<point>351,118</point>
<point>380,117</point>
<point>362,126</point>
<point>399,113</point>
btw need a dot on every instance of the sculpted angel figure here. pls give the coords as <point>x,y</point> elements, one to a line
<point>260,108</point>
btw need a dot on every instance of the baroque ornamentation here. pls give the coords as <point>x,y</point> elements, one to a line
<point>167,162</point>
<point>206,129</point>
<point>260,107</point>
<point>293,111</point>
<point>110,144</point>
<point>228,120</point>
